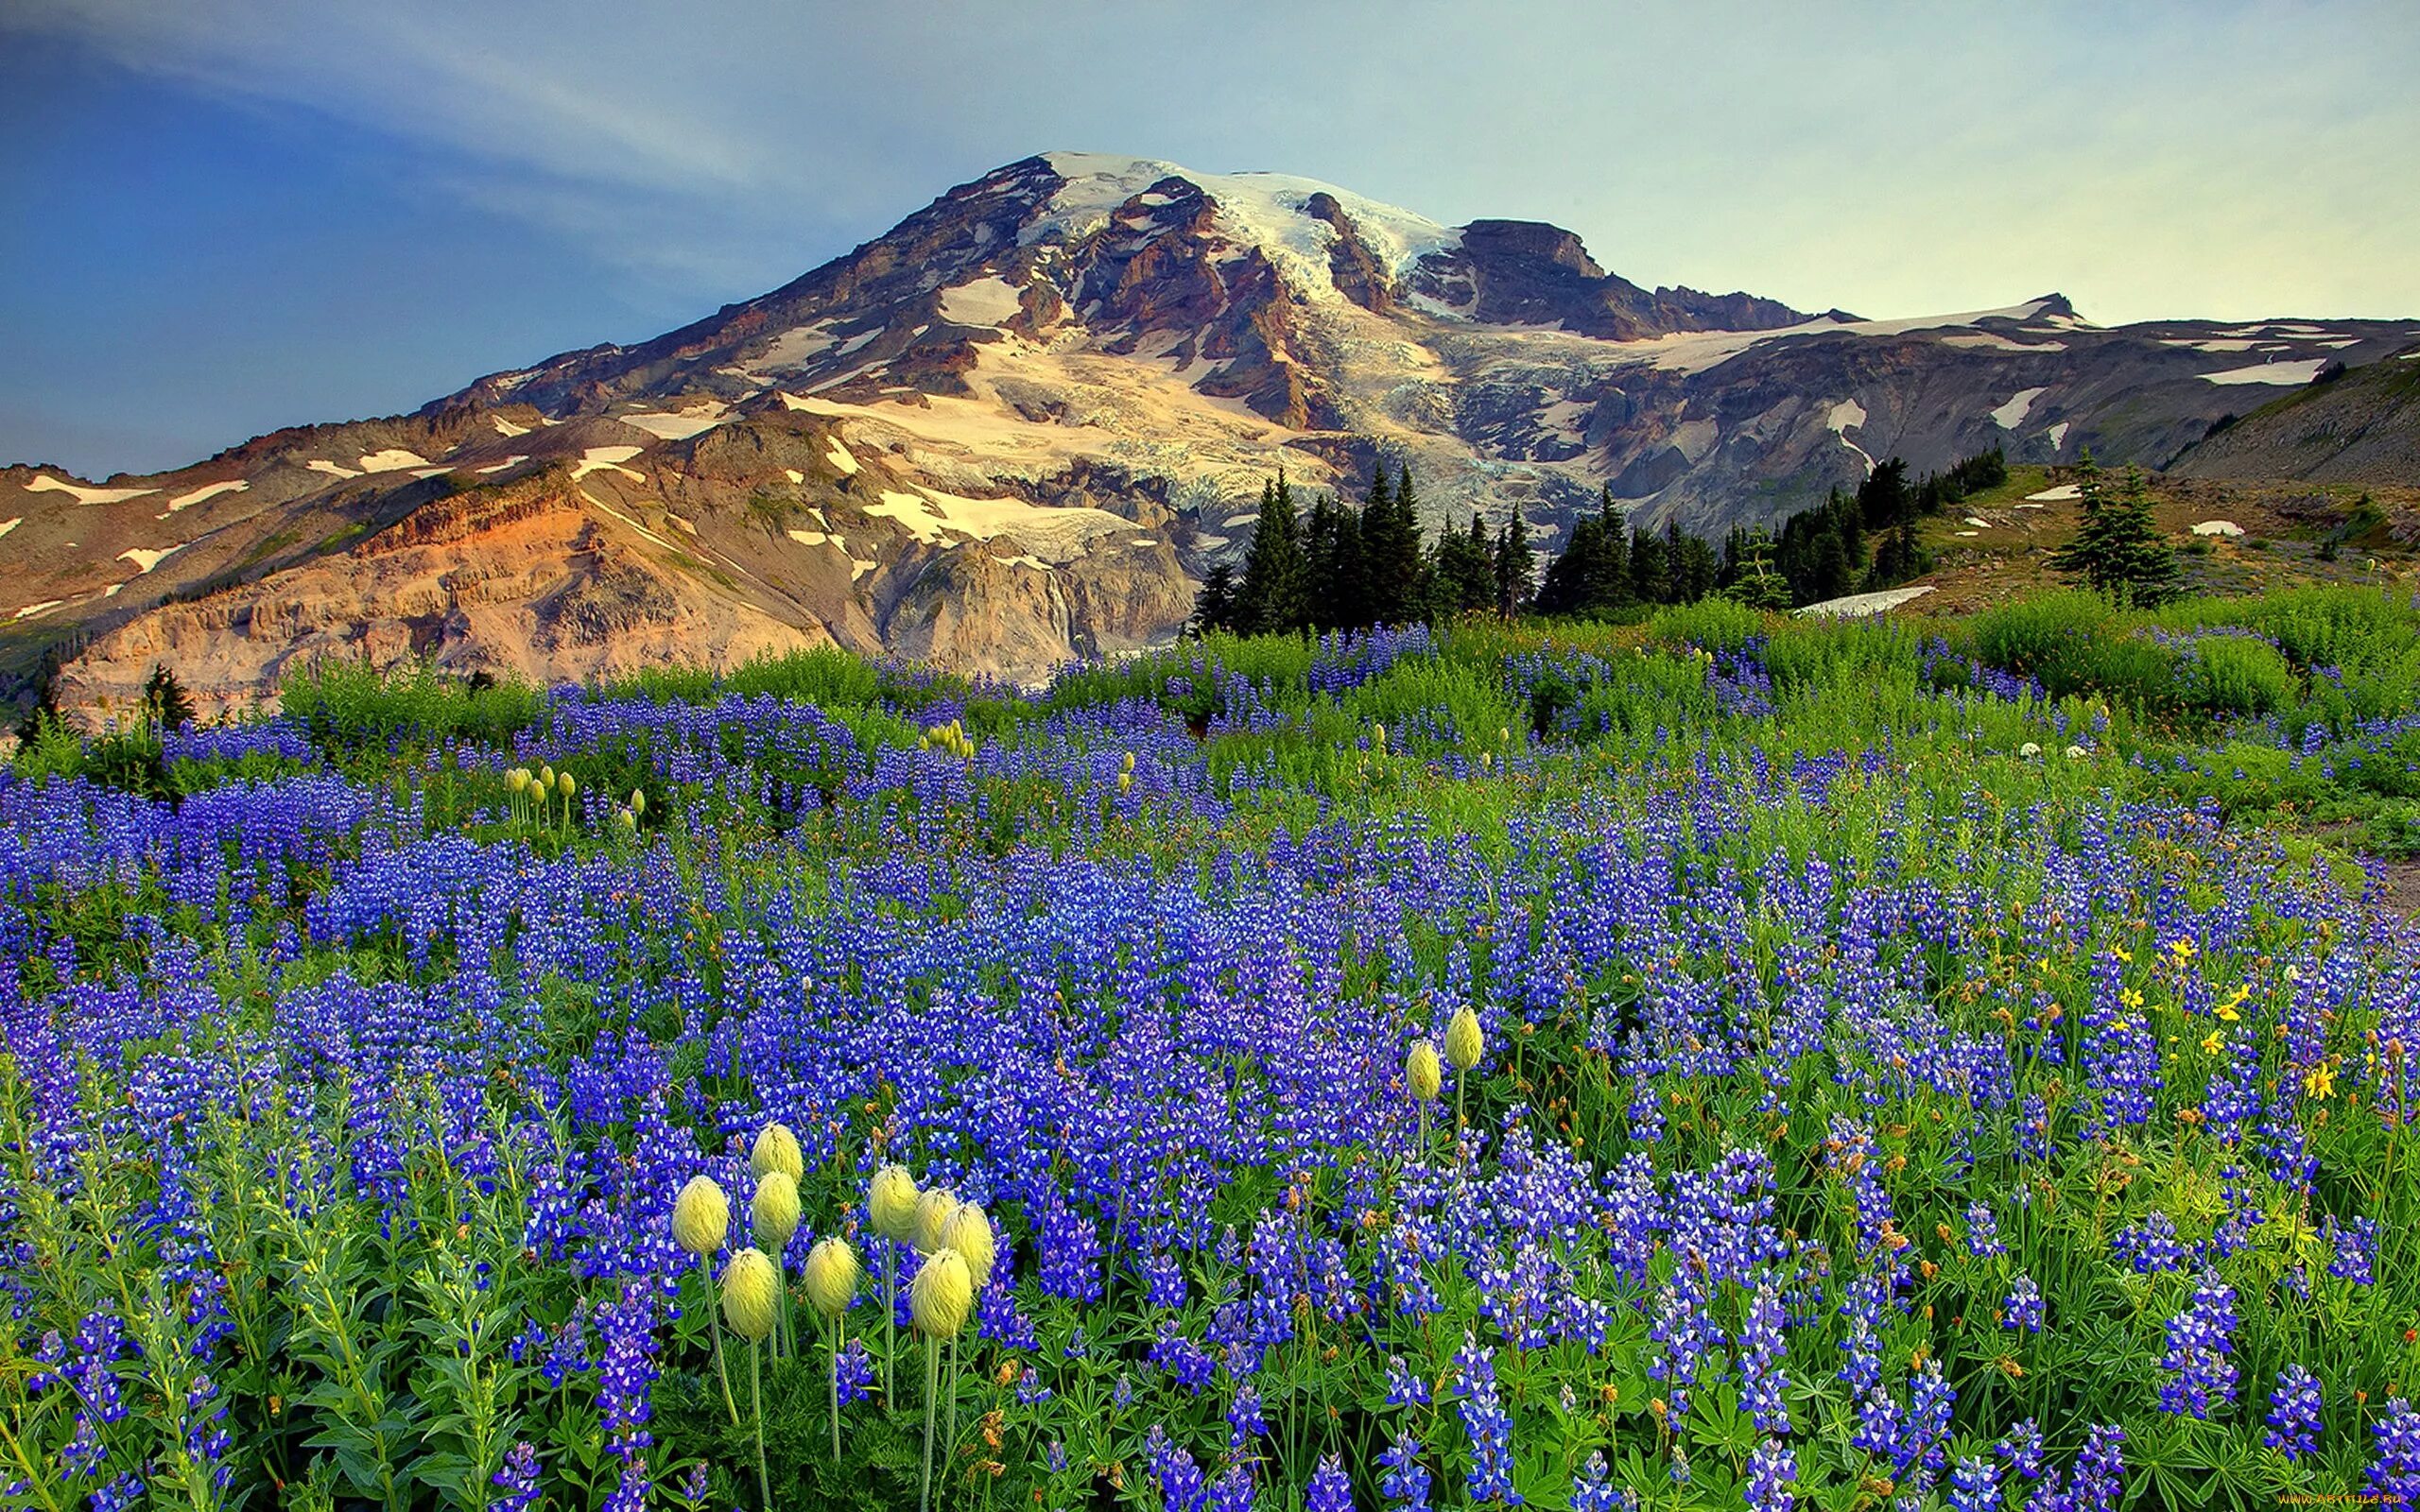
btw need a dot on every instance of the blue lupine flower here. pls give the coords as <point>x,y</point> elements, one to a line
<point>2293,1414</point>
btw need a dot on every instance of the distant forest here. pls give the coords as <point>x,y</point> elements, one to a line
<point>1338,567</point>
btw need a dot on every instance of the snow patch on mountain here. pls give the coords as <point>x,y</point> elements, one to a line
<point>44,483</point>
<point>394,460</point>
<point>1845,415</point>
<point>2010,415</point>
<point>1888,598</point>
<point>607,459</point>
<point>932,515</point>
<point>207,491</point>
<point>987,302</point>
<point>1256,208</point>
<point>145,560</point>
<point>677,427</point>
<point>2300,371</point>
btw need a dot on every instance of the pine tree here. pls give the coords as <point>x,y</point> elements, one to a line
<point>1272,599</point>
<point>1694,570</point>
<point>1883,499</point>
<point>1515,565</point>
<point>1332,559</point>
<point>2118,550</point>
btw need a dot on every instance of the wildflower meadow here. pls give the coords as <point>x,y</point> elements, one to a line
<point>1721,1060</point>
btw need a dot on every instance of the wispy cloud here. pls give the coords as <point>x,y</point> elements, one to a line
<point>1879,155</point>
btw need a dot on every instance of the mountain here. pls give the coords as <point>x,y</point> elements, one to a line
<point>1021,425</point>
<point>2348,425</point>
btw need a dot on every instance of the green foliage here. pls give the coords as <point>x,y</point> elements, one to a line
<point>348,705</point>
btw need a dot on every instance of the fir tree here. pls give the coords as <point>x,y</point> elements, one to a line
<point>1464,570</point>
<point>1515,565</point>
<point>1650,579</point>
<point>2118,550</point>
<point>1214,608</point>
<point>1390,563</point>
<point>1332,561</point>
<point>1274,598</point>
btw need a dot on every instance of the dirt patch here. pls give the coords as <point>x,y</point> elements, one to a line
<point>2401,883</point>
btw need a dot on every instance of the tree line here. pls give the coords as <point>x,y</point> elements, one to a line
<point>1335,567</point>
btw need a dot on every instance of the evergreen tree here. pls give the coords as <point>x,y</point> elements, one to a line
<point>1332,561</point>
<point>1274,598</point>
<point>1650,579</point>
<point>164,703</point>
<point>1214,608</point>
<point>1695,569</point>
<point>1390,560</point>
<point>1464,570</point>
<point>1592,576</point>
<point>1883,499</point>
<point>1830,570</point>
<point>1748,571</point>
<point>1515,565</point>
<point>2118,550</point>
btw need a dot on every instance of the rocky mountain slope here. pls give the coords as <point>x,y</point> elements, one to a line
<point>1020,425</point>
<point>2358,426</point>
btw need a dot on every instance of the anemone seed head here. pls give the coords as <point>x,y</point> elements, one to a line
<point>700,1216</point>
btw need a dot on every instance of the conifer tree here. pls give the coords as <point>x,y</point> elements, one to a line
<point>1214,608</point>
<point>2118,550</point>
<point>1650,579</point>
<point>1464,570</point>
<point>1332,563</point>
<point>1515,565</point>
<point>1391,557</point>
<point>1274,598</point>
<point>164,703</point>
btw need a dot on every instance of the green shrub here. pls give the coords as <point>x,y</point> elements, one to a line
<point>1716,624</point>
<point>345,706</point>
<point>2236,675</point>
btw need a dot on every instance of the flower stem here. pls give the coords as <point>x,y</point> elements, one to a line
<point>756,1388</point>
<point>932,1383</point>
<point>839,1335</point>
<point>713,1321</point>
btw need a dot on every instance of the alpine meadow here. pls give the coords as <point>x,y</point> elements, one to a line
<point>1040,831</point>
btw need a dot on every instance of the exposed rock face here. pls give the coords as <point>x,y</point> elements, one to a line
<point>1020,425</point>
<point>527,582</point>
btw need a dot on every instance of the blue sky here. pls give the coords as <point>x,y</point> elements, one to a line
<point>229,215</point>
